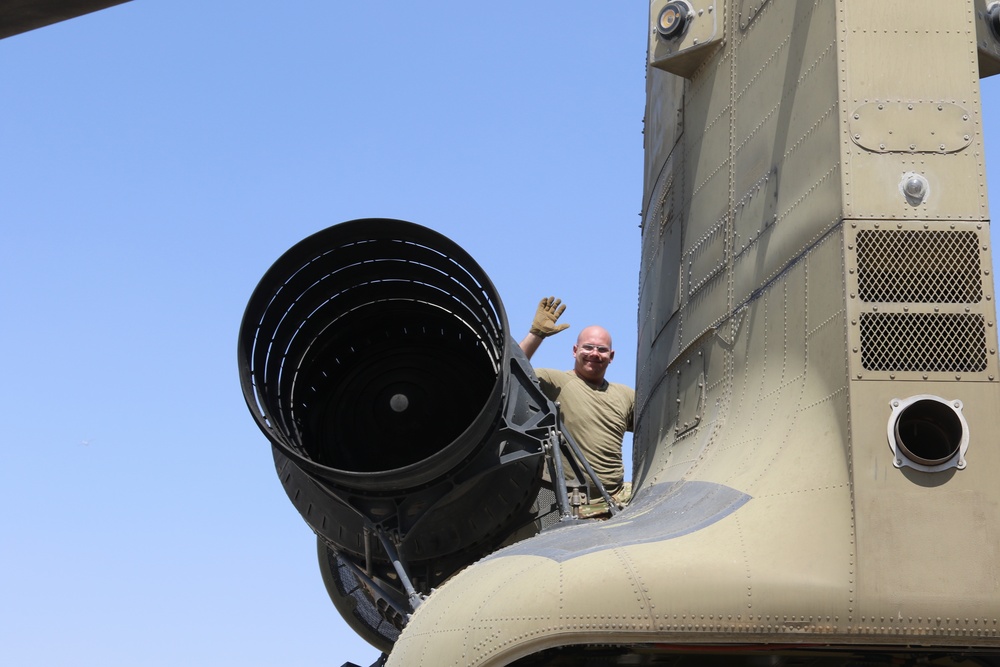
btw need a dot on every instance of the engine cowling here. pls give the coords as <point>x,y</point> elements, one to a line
<point>407,426</point>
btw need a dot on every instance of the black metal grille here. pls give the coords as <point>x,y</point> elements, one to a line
<point>912,266</point>
<point>929,342</point>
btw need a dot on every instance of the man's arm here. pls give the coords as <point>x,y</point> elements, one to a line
<point>544,324</point>
<point>530,343</point>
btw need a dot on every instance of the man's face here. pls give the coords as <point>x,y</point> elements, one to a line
<point>592,354</point>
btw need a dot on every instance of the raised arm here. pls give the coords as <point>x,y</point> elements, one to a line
<point>544,324</point>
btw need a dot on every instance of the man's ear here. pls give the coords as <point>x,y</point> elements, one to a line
<point>611,357</point>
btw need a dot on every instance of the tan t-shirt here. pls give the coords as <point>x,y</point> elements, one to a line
<point>596,416</point>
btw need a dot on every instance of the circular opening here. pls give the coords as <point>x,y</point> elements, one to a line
<point>373,346</point>
<point>407,383</point>
<point>929,432</point>
<point>670,23</point>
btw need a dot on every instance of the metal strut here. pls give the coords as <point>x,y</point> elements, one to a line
<point>397,564</point>
<point>553,452</point>
<point>554,458</point>
<point>578,453</point>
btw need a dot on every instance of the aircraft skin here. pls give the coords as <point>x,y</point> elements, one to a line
<point>817,393</point>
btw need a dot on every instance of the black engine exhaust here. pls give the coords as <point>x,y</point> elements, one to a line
<point>407,426</point>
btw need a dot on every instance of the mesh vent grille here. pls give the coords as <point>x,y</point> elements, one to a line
<point>911,266</point>
<point>929,342</point>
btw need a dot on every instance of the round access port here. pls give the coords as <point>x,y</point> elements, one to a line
<point>928,433</point>
<point>673,19</point>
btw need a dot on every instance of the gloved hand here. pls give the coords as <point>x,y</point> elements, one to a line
<point>549,310</point>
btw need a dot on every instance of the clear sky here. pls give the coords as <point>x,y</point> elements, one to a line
<point>155,159</point>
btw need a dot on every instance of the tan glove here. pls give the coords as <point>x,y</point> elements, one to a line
<point>549,310</point>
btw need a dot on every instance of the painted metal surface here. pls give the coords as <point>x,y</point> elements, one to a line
<point>810,254</point>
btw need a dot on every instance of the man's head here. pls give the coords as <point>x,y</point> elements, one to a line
<point>592,354</point>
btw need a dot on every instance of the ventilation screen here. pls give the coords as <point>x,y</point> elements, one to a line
<point>910,266</point>
<point>953,343</point>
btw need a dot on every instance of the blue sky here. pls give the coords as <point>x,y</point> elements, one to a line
<point>155,159</point>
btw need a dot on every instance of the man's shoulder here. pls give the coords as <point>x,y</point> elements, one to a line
<point>552,375</point>
<point>625,392</point>
<point>623,388</point>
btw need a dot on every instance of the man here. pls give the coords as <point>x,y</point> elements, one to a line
<point>597,413</point>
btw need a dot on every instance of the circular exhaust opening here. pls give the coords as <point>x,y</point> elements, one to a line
<point>928,433</point>
<point>373,351</point>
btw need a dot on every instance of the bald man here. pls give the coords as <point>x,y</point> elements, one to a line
<point>597,413</point>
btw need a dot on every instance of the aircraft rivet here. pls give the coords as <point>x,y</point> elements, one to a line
<point>924,376</point>
<point>881,147</point>
<point>859,376</point>
<point>857,116</point>
<point>857,136</point>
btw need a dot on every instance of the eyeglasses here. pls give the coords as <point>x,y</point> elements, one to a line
<point>600,349</point>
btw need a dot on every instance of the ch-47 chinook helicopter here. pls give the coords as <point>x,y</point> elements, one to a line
<point>818,393</point>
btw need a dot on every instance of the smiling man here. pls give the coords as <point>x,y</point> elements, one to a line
<point>597,413</point>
